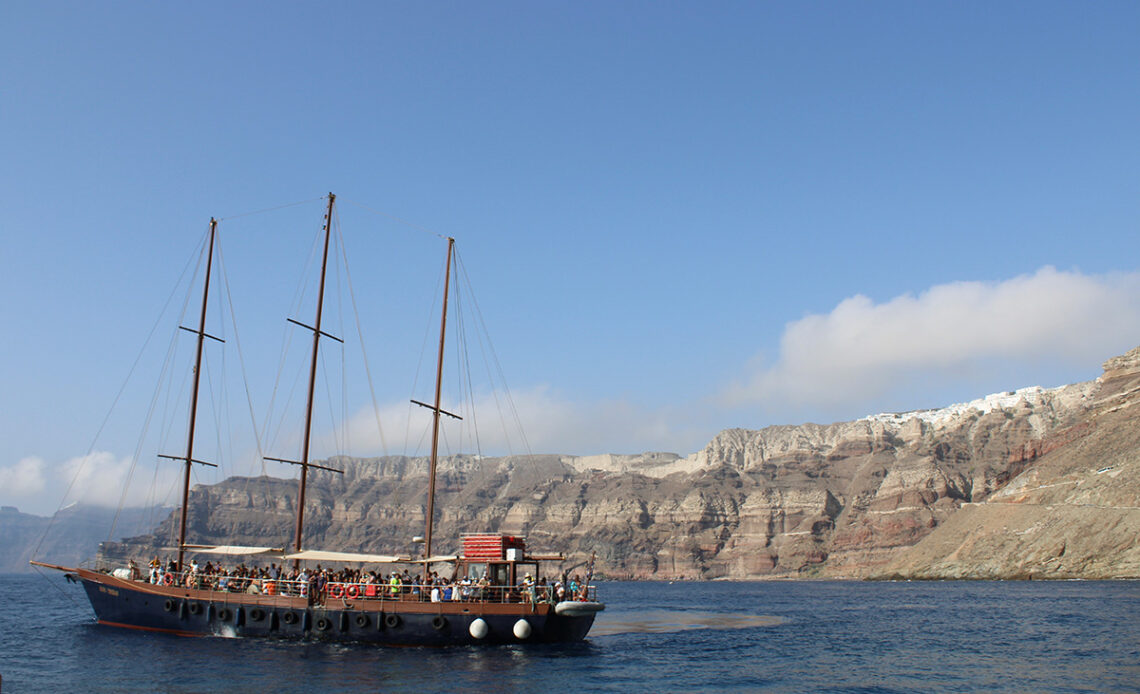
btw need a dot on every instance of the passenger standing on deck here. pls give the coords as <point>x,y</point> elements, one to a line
<point>394,583</point>
<point>483,587</point>
<point>528,588</point>
<point>321,583</point>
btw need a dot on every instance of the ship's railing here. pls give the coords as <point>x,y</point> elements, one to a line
<point>451,592</point>
<point>335,591</point>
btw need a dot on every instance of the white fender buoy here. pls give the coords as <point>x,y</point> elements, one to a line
<point>478,628</point>
<point>578,608</point>
<point>522,630</point>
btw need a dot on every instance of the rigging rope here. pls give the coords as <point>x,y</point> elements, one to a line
<point>115,401</point>
<point>395,219</point>
<point>271,209</point>
<point>490,347</point>
<point>360,335</point>
<point>341,442</point>
<point>329,398</point>
<point>43,575</point>
<point>466,382</point>
<point>286,343</point>
<point>167,371</point>
<point>461,344</point>
<point>241,358</point>
<point>146,424</point>
<point>215,399</point>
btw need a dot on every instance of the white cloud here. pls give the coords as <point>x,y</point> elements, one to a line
<point>99,478</point>
<point>551,423</point>
<point>841,363</point>
<point>862,349</point>
<point>25,478</point>
<point>556,425</point>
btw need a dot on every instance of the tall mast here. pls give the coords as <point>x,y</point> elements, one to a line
<point>317,333</point>
<point>435,410</point>
<point>189,458</point>
<point>313,378</point>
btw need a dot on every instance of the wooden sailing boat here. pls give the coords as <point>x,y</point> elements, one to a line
<point>494,593</point>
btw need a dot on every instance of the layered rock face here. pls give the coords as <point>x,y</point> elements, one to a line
<point>1073,513</point>
<point>1032,482</point>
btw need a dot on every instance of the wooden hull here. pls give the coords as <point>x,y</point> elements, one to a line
<point>189,612</point>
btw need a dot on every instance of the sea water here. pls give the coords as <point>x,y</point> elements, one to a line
<point>778,636</point>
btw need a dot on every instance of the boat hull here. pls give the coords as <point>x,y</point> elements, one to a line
<point>189,612</point>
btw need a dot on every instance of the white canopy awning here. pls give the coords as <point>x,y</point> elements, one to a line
<point>353,557</point>
<point>234,550</point>
<point>315,555</point>
<point>321,555</point>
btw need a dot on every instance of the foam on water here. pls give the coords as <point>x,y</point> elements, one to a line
<point>663,621</point>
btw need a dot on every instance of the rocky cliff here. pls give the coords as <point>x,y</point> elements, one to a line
<point>1074,512</point>
<point>68,537</point>
<point>1031,482</point>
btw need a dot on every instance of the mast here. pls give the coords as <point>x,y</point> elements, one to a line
<point>313,378</point>
<point>317,333</point>
<point>189,457</point>
<point>436,410</point>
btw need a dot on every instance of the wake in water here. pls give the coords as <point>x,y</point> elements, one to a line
<point>663,621</point>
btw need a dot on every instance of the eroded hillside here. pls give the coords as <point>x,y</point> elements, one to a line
<point>1032,482</point>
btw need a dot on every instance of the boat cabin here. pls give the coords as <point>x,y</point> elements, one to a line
<point>501,559</point>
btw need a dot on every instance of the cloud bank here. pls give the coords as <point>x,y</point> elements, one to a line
<point>551,423</point>
<point>862,350</point>
<point>35,485</point>
<point>24,478</point>
<point>842,362</point>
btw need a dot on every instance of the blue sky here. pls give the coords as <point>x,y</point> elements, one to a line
<point>677,217</point>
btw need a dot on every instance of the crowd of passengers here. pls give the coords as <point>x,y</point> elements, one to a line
<point>320,584</point>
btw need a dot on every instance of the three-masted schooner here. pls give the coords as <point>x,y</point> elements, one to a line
<point>495,593</point>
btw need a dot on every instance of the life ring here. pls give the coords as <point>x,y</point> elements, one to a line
<point>224,614</point>
<point>353,591</point>
<point>289,618</point>
<point>337,590</point>
<point>169,605</point>
<point>362,620</point>
<point>323,624</point>
<point>168,579</point>
<point>195,608</point>
<point>257,614</point>
<point>439,622</point>
<point>392,621</point>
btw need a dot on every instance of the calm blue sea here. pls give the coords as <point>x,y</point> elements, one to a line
<point>763,636</point>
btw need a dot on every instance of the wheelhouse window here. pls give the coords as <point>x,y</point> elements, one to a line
<point>476,571</point>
